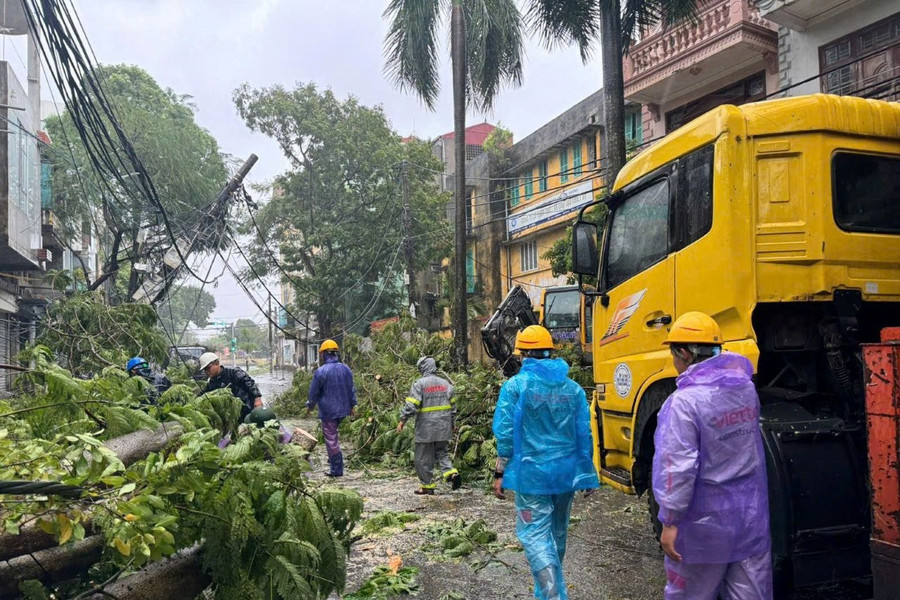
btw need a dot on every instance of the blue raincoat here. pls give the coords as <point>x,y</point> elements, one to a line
<point>332,389</point>
<point>709,470</point>
<point>542,425</point>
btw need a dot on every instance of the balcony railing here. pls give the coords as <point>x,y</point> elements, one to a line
<point>660,47</point>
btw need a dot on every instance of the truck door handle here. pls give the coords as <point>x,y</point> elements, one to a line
<point>663,320</point>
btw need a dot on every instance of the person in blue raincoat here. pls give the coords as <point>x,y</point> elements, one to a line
<point>544,449</point>
<point>709,472</point>
<point>333,390</point>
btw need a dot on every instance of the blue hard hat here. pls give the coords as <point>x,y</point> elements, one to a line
<point>135,362</point>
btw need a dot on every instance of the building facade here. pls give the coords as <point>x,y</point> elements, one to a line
<point>845,47</point>
<point>728,55</point>
<point>550,175</point>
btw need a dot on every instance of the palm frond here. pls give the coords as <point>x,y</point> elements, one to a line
<point>493,48</point>
<point>410,47</point>
<point>564,22</point>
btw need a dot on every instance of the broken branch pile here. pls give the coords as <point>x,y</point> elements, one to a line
<point>165,512</point>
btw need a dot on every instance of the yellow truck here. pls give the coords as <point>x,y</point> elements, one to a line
<point>781,219</point>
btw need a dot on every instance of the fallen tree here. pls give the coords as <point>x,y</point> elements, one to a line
<point>165,510</point>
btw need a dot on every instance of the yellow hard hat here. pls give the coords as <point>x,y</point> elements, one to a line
<point>329,345</point>
<point>534,337</point>
<point>695,328</point>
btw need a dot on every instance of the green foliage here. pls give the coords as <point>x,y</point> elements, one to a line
<point>89,335</point>
<point>498,141</point>
<point>387,523</point>
<point>182,158</point>
<point>583,375</point>
<point>385,584</point>
<point>267,533</point>
<point>343,185</point>
<point>560,253</point>
<point>384,375</point>
<point>493,48</point>
<point>458,539</point>
<point>186,304</point>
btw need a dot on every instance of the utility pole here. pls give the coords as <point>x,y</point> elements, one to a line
<point>233,347</point>
<point>271,343</point>
<point>407,242</point>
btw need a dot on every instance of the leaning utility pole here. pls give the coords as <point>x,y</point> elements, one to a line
<point>271,343</point>
<point>407,240</point>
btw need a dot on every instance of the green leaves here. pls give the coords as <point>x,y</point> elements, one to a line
<point>267,533</point>
<point>343,185</point>
<point>384,584</point>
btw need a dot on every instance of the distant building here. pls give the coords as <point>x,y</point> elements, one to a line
<point>443,149</point>
<point>23,255</point>
<point>845,47</point>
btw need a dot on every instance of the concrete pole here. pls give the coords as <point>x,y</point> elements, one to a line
<point>271,343</point>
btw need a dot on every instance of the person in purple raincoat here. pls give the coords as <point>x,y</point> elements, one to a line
<point>333,390</point>
<point>709,472</point>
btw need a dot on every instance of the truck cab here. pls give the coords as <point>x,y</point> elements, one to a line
<point>779,219</point>
<point>566,313</point>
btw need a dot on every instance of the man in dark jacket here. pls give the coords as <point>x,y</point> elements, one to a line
<point>332,389</point>
<point>237,380</point>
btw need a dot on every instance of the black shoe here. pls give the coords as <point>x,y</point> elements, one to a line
<point>455,481</point>
<point>330,474</point>
<point>424,492</point>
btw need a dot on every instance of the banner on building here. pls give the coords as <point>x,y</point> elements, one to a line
<point>551,208</point>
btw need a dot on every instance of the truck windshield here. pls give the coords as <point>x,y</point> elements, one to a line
<point>867,193</point>
<point>562,309</point>
<point>639,235</point>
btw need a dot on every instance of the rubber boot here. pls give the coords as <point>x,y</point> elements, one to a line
<point>336,464</point>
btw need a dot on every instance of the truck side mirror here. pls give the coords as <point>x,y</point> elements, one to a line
<point>585,260</point>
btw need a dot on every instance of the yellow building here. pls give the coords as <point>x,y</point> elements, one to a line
<point>555,171</point>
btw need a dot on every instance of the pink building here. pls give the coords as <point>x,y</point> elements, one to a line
<point>728,55</point>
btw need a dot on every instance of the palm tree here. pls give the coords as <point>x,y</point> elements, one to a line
<point>485,52</point>
<point>614,23</point>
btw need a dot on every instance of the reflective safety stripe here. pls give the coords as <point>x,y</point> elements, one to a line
<point>437,408</point>
<point>413,401</point>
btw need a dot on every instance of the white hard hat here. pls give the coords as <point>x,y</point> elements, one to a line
<point>207,358</point>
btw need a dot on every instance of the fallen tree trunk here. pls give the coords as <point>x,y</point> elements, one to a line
<point>130,448</point>
<point>50,565</point>
<point>181,576</point>
<point>30,539</point>
<point>136,445</point>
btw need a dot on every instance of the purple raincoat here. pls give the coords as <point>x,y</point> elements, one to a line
<point>709,471</point>
<point>332,389</point>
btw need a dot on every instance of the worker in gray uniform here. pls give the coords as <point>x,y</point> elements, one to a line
<point>431,401</point>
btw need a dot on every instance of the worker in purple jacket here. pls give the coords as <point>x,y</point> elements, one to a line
<point>709,472</point>
<point>332,389</point>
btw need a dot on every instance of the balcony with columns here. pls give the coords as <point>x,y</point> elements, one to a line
<point>727,42</point>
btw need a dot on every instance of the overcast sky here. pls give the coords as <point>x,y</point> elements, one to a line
<point>207,48</point>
